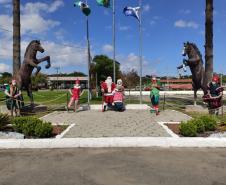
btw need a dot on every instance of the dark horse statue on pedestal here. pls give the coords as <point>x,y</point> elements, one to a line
<point>30,62</point>
<point>195,64</point>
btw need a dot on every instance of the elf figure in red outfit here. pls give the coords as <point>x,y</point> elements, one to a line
<point>107,89</point>
<point>75,95</point>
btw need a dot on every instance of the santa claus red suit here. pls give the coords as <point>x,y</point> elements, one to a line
<point>107,89</point>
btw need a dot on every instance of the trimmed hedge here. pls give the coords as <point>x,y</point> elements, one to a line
<point>210,122</point>
<point>198,125</point>
<point>32,127</point>
<point>188,129</point>
<point>4,120</point>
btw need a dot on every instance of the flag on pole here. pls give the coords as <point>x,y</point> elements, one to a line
<point>105,3</point>
<point>132,11</point>
<point>83,6</point>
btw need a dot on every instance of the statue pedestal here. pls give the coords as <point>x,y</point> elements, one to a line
<point>196,108</point>
<point>28,109</point>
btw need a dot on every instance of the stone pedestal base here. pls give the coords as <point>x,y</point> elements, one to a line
<point>196,108</point>
<point>28,109</point>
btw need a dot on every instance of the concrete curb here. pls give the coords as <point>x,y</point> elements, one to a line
<point>65,131</point>
<point>170,132</point>
<point>113,142</point>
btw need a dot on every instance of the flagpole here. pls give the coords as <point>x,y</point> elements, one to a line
<point>140,50</point>
<point>113,31</point>
<point>89,57</point>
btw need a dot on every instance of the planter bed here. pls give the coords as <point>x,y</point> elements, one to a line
<point>174,127</point>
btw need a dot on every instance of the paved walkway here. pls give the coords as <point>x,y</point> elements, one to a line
<point>131,123</point>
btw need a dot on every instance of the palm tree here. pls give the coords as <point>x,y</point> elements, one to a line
<point>16,36</point>
<point>209,41</point>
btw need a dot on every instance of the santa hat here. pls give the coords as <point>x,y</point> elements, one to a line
<point>77,81</point>
<point>215,78</point>
<point>154,80</point>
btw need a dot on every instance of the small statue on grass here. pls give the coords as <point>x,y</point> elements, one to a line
<point>214,95</point>
<point>119,96</point>
<point>107,89</point>
<point>14,99</point>
<point>75,95</point>
<point>154,96</point>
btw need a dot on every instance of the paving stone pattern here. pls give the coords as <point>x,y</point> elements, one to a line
<point>131,123</point>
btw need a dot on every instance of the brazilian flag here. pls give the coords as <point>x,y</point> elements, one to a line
<point>83,6</point>
<point>105,3</point>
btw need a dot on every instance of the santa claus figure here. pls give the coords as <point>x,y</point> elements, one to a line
<point>107,89</point>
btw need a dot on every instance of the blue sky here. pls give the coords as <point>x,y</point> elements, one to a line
<point>166,25</point>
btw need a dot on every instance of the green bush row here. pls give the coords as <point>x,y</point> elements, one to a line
<point>198,125</point>
<point>4,120</point>
<point>32,127</point>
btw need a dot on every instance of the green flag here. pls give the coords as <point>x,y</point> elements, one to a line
<point>83,6</point>
<point>105,3</point>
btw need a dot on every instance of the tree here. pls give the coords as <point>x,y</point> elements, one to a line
<point>16,36</point>
<point>209,41</point>
<point>5,78</point>
<point>130,79</point>
<point>103,66</point>
<point>39,80</point>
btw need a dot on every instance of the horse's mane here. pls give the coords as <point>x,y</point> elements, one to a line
<point>29,46</point>
<point>197,50</point>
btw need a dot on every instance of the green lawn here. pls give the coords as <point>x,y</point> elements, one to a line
<point>57,99</point>
<point>49,98</point>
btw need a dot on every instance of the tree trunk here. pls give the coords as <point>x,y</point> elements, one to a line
<point>16,36</point>
<point>209,41</point>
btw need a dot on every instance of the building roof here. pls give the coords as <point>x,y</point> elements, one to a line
<point>67,78</point>
<point>176,81</point>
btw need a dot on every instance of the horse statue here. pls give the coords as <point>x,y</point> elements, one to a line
<point>30,62</point>
<point>195,63</point>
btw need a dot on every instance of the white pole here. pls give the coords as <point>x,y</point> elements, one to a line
<point>113,31</point>
<point>88,53</point>
<point>140,51</point>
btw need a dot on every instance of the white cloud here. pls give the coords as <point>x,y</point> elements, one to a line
<point>5,1</point>
<point>4,68</point>
<point>34,23</point>
<point>107,48</point>
<point>186,24</point>
<point>32,20</point>
<point>65,55</point>
<point>132,61</point>
<point>37,7</point>
<point>55,5</point>
<point>146,8</point>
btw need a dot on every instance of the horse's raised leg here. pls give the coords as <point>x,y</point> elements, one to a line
<point>30,95</point>
<point>46,58</point>
<point>195,97</point>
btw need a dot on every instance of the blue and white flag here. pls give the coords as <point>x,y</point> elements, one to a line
<point>132,11</point>
<point>83,6</point>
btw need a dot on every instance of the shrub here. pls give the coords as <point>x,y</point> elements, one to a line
<point>32,126</point>
<point>43,130</point>
<point>4,120</point>
<point>199,124</point>
<point>210,122</point>
<point>188,129</point>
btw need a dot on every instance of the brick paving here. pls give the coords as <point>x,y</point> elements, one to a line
<point>131,123</point>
